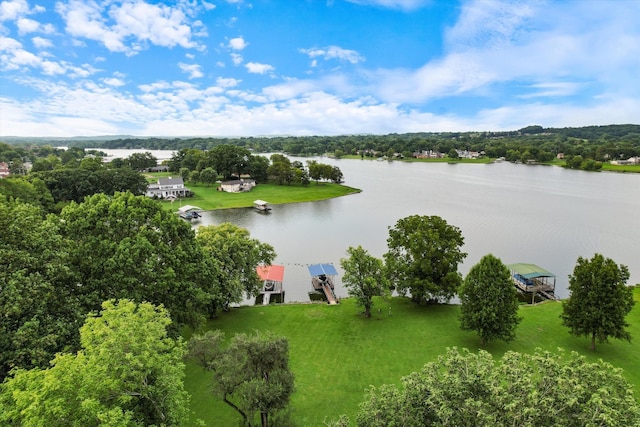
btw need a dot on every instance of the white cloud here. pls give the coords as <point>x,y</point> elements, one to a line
<point>194,70</point>
<point>258,68</point>
<point>227,82</point>
<point>41,43</point>
<point>236,58</point>
<point>334,52</point>
<point>237,43</point>
<point>11,10</point>
<point>126,27</point>
<point>26,25</point>
<point>113,81</point>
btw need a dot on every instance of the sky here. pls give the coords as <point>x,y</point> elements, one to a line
<point>232,68</point>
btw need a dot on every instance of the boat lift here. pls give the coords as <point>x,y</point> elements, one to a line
<point>322,280</point>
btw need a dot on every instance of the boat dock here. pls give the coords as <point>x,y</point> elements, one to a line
<point>322,280</point>
<point>534,280</point>
<point>188,212</point>
<point>272,277</point>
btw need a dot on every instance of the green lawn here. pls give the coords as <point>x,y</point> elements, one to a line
<point>621,168</point>
<point>209,198</point>
<point>336,353</point>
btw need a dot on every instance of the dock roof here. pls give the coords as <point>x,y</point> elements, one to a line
<point>320,269</point>
<point>274,273</point>
<point>530,271</point>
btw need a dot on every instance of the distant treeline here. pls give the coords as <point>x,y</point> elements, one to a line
<point>600,143</point>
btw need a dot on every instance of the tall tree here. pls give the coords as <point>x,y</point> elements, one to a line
<point>236,256</point>
<point>128,373</point>
<point>599,300</point>
<point>467,389</point>
<point>423,257</point>
<point>127,246</point>
<point>364,277</point>
<point>251,375</point>
<point>229,160</point>
<point>140,161</point>
<point>208,176</point>
<point>39,315</point>
<point>489,302</point>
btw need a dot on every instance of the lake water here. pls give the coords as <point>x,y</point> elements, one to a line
<point>543,215</point>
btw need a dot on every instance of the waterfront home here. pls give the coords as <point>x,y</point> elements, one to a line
<point>237,185</point>
<point>168,188</point>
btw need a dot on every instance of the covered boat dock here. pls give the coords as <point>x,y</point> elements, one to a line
<point>322,280</point>
<point>189,212</point>
<point>272,277</point>
<point>532,279</point>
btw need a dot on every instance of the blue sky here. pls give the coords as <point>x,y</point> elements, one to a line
<point>314,67</point>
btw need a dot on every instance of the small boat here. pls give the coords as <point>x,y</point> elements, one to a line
<point>261,205</point>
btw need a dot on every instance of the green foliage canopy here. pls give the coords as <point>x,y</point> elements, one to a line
<point>599,300</point>
<point>251,375</point>
<point>364,277</point>
<point>489,303</point>
<point>128,373</point>
<point>542,389</point>
<point>423,257</point>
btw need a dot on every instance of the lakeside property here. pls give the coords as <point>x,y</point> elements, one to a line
<point>208,197</point>
<point>335,353</point>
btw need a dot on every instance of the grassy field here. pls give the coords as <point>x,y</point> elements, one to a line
<point>621,168</point>
<point>209,198</point>
<point>336,353</point>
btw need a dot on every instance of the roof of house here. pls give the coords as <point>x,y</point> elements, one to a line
<point>275,273</point>
<point>171,181</point>
<point>529,271</point>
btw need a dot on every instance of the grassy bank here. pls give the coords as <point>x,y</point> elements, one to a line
<point>209,198</point>
<point>336,354</point>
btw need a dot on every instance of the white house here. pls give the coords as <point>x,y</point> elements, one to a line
<point>629,161</point>
<point>167,188</point>
<point>237,185</point>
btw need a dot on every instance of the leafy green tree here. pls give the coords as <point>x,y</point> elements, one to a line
<point>467,389</point>
<point>140,161</point>
<point>31,191</point>
<point>423,256</point>
<point>194,176</point>
<point>39,315</point>
<point>128,246</point>
<point>229,160</point>
<point>91,163</point>
<point>453,154</point>
<point>281,173</point>
<point>208,176</point>
<point>128,373</point>
<point>489,302</point>
<point>257,168</point>
<point>364,277</point>
<point>251,375</point>
<point>184,173</point>
<point>599,300</point>
<point>236,256</point>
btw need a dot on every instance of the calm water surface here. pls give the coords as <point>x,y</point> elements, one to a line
<point>544,215</point>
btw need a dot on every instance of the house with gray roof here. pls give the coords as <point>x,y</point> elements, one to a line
<point>170,187</point>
